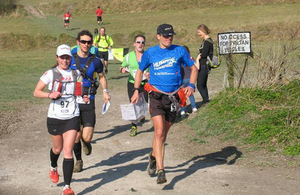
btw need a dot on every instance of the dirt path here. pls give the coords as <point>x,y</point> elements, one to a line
<point>118,162</point>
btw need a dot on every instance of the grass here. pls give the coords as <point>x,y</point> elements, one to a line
<point>269,118</point>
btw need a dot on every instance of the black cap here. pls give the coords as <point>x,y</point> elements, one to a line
<point>165,30</point>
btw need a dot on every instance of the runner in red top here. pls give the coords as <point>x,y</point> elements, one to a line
<point>67,17</point>
<point>99,13</point>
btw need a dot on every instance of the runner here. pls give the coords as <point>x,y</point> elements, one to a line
<point>67,18</point>
<point>104,42</point>
<point>89,65</point>
<point>130,64</point>
<point>63,120</point>
<point>99,13</point>
<point>164,63</point>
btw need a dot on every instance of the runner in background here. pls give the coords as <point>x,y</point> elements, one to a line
<point>99,13</point>
<point>130,64</point>
<point>164,62</point>
<point>67,18</point>
<point>186,81</point>
<point>90,66</point>
<point>63,120</point>
<point>104,43</point>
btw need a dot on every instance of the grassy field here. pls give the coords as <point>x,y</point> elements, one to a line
<point>27,44</point>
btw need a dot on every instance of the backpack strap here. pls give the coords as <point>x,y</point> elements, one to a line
<point>86,66</point>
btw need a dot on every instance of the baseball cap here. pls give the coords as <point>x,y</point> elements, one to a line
<point>63,50</point>
<point>165,29</point>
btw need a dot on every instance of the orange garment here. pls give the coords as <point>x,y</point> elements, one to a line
<point>181,94</point>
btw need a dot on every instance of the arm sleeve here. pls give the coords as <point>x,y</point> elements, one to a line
<point>187,59</point>
<point>124,63</point>
<point>144,63</point>
<point>96,38</point>
<point>111,42</point>
<point>98,65</point>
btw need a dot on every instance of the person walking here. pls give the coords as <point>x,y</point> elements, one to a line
<point>89,66</point>
<point>67,18</point>
<point>104,43</point>
<point>205,50</point>
<point>130,64</point>
<point>186,81</point>
<point>164,62</point>
<point>99,13</point>
<point>63,120</point>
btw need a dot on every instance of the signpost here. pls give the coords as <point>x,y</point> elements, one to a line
<point>234,43</point>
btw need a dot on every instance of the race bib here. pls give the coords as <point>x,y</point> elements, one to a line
<point>65,106</point>
<point>67,18</point>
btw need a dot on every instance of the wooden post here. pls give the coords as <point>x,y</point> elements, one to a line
<point>244,69</point>
<point>230,69</point>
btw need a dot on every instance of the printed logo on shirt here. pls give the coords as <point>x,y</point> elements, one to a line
<point>164,63</point>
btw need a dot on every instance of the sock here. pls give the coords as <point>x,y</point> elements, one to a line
<point>77,150</point>
<point>53,158</point>
<point>68,166</point>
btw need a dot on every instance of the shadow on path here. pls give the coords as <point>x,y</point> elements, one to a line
<point>204,161</point>
<point>115,173</point>
<point>116,130</point>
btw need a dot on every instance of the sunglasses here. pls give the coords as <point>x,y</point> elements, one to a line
<point>84,42</point>
<point>141,42</point>
<point>166,36</point>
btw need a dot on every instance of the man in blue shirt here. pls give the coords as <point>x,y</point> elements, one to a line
<point>88,64</point>
<point>164,62</point>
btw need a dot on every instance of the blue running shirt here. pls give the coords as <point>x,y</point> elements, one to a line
<point>95,67</point>
<point>164,66</point>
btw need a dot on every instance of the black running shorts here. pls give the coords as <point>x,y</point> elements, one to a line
<point>58,127</point>
<point>160,104</point>
<point>67,21</point>
<point>104,55</point>
<point>99,18</point>
<point>87,114</point>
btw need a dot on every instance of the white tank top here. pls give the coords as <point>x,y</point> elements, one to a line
<point>66,106</point>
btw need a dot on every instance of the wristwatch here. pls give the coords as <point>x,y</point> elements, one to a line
<point>105,90</point>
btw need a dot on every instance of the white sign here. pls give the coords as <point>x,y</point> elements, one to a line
<point>234,42</point>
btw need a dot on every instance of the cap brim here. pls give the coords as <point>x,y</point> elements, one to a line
<point>168,34</point>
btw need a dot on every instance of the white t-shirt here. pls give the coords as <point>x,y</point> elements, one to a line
<point>66,106</point>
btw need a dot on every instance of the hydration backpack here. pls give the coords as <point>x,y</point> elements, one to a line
<point>216,58</point>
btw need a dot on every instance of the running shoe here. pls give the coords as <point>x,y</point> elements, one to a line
<point>194,109</point>
<point>78,166</point>
<point>151,168</point>
<point>54,177</point>
<point>87,147</point>
<point>67,190</point>
<point>133,131</point>
<point>161,177</point>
